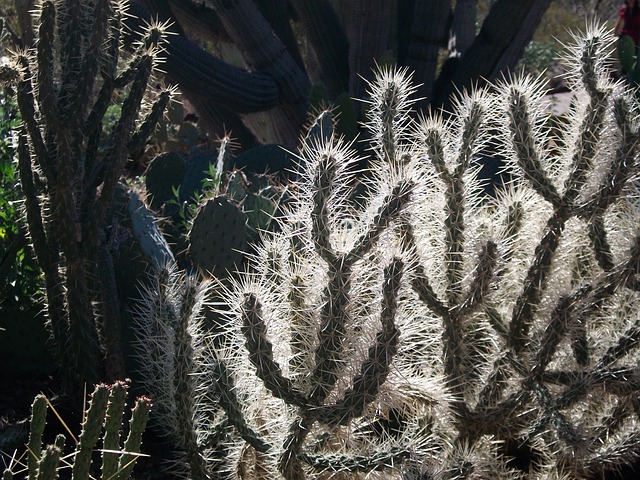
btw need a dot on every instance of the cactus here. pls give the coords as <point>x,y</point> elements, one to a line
<point>145,230</point>
<point>422,329</point>
<point>104,413</point>
<point>164,174</point>
<point>69,167</point>
<point>502,315</point>
<point>169,335</point>
<point>218,237</point>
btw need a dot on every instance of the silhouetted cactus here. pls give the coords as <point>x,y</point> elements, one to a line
<point>421,328</point>
<point>102,418</point>
<point>69,166</point>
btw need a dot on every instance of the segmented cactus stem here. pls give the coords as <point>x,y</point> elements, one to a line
<point>261,354</point>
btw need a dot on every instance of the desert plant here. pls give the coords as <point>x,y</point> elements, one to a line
<point>102,419</point>
<point>340,40</point>
<point>420,329</point>
<point>69,166</point>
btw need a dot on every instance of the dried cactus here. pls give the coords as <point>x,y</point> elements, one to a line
<point>422,329</point>
<point>69,167</point>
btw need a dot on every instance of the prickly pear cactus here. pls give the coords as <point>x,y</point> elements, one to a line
<point>628,55</point>
<point>258,196</point>
<point>218,237</point>
<point>164,175</point>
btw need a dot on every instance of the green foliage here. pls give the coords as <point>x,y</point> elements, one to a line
<point>20,281</point>
<point>102,420</point>
<point>539,57</point>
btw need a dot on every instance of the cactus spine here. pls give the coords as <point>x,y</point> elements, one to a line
<point>418,329</point>
<point>68,169</point>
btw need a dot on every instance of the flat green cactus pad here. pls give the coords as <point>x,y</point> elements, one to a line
<point>164,174</point>
<point>627,53</point>
<point>218,237</point>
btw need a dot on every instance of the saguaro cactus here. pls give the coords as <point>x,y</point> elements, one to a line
<point>69,165</point>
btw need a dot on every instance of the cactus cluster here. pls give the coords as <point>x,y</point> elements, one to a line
<point>70,165</point>
<point>103,420</point>
<point>400,323</point>
<point>212,213</point>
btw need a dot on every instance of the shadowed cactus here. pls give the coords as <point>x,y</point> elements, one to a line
<point>69,166</point>
<point>102,419</point>
<point>421,328</point>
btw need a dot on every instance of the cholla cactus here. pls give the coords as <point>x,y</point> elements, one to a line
<point>419,329</point>
<point>170,346</point>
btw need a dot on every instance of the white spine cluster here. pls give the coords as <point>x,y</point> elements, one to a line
<point>421,327</point>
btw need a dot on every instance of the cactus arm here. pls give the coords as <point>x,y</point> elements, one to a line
<point>91,428</point>
<point>26,104</point>
<point>90,62</point>
<point>115,157</point>
<point>420,280</point>
<point>601,246</point>
<point>481,283</point>
<point>332,331</point>
<point>324,177</point>
<point>139,138</point>
<point>621,167</point>
<point>375,369</point>
<point>137,425</point>
<point>111,331</point>
<point>53,279</point>
<point>329,41</point>
<point>233,408</point>
<point>261,354</point>
<point>37,424</point>
<point>392,205</point>
<point>356,463</point>
<point>248,28</point>
<point>70,29</point>
<point>110,55</point>
<point>49,463</point>
<point>472,123</point>
<point>586,145</point>
<point>46,92</point>
<point>93,129</point>
<point>528,154</point>
<point>81,315</point>
<point>454,221</point>
<point>196,70</point>
<point>534,283</point>
<point>112,428</point>
<point>184,389</point>
<point>289,463</point>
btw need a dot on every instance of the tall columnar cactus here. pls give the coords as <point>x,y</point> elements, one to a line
<point>69,165</point>
<point>422,328</point>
